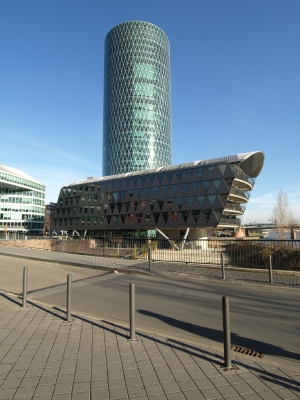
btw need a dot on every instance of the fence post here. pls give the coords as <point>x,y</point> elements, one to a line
<point>149,258</point>
<point>226,332</point>
<point>223,268</point>
<point>270,270</point>
<point>25,275</point>
<point>69,297</point>
<point>132,311</point>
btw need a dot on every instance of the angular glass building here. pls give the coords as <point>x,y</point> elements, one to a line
<point>137,99</point>
<point>202,195</point>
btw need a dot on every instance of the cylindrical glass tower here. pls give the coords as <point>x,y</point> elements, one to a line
<point>137,99</point>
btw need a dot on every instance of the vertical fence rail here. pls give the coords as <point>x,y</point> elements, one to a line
<point>24,298</point>
<point>270,271</point>
<point>240,253</point>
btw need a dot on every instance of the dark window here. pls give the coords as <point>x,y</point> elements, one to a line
<point>179,202</point>
<point>206,214</point>
<point>189,173</point>
<point>195,186</point>
<point>205,185</point>
<point>200,200</point>
<point>211,170</point>
<point>184,187</point>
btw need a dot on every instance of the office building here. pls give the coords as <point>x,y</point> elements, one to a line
<point>137,99</point>
<point>22,202</point>
<point>196,196</point>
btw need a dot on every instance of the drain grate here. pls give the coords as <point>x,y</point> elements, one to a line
<point>247,352</point>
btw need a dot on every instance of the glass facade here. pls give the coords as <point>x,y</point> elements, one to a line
<point>22,202</point>
<point>204,194</point>
<point>137,99</point>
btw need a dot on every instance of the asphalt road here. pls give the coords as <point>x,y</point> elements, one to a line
<point>265,319</point>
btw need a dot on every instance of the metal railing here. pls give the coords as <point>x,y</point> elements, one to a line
<point>240,193</point>
<point>240,175</point>
<point>234,207</point>
<point>235,252</point>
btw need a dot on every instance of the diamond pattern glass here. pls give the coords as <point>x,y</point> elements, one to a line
<point>137,102</point>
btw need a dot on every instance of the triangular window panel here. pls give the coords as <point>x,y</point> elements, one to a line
<point>189,173</point>
<point>206,214</point>
<point>179,202</point>
<point>160,203</point>
<point>165,189</point>
<point>205,185</point>
<point>179,175</point>
<point>190,200</point>
<point>160,177</point>
<point>108,218</point>
<point>170,203</point>
<point>184,187</point>
<point>218,215</point>
<point>222,168</point>
<point>116,218</point>
<point>122,195</point>
<point>152,203</point>
<point>195,186</point>
<point>165,216</point>
<point>196,214</point>
<point>143,180</point>
<point>138,192</point>
<point>223,199</point>
<point>185,215</point>
<point>139,218</point>
<point>119,206</point>
<point>156,216</point>
<point>155,190</point>
<point>229,182</point>
<point>212,199</point>
<point>134,181</point>
<point>151,178</point>
<point>199,171</point>
<point>169,176</point>
<point>211,170</point>
<point>174,216</point>
<point>217,183</point>
<point>174,189</point>
<point>147,192</point>
<point>200,200</point>
<point>127,205</point>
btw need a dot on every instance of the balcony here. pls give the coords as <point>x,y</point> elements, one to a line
<point>233,209</point>
<point>229,222</point>
<point>238,196</point>
<point>242,181</point>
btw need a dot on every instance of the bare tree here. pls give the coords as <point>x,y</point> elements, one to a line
<point>282,214</point>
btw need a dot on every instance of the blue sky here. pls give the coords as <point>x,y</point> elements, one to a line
<point>235,75</point>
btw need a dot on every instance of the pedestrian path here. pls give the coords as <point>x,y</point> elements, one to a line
<point>44,357</point>
<point>193,271</point>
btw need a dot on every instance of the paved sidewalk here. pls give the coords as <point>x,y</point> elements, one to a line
<point>44,357</point>
<point>163,268</point>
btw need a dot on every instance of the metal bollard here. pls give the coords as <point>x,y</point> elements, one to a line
<point>132,311</point>
<point>223,268</point>
<point>226,331</point>
<point>25,275</point>
<point>149,258</point>
<point>69,297</point>
<point>270,270</point>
